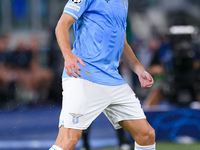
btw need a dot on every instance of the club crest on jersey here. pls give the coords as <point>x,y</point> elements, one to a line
<point>75,117</point>
<point>77,1</point>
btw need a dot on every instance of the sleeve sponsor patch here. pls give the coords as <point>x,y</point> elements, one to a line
<point>73,6</point>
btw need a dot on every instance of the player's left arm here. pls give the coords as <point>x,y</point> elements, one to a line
<point>129,58</point>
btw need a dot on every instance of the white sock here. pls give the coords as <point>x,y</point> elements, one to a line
<point>149,147</point>
<point>54,147</point>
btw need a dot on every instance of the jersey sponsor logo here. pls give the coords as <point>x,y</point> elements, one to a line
<point>77,1</point>
<point>73,6</point>
<point>124,2</point>
<point>75,117</point>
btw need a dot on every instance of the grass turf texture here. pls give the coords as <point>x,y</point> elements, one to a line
<point>170,146</point>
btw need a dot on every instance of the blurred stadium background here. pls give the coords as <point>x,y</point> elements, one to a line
<point>164,36</point>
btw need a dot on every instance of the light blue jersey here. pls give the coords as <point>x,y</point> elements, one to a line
<point>99,38</point>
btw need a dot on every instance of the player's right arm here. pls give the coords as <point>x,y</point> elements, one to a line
<point>62,35</point>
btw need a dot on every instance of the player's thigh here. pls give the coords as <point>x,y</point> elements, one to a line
<point>124,106</point>
<point>82,102</point>
<point>68,137</point>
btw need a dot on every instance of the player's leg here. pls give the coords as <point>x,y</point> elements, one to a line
<point>82,102</point>
<point>125,111</point>
<point>142,132</point>
<point>67,139</point>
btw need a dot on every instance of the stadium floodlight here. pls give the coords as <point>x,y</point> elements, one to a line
<point>189,29</point>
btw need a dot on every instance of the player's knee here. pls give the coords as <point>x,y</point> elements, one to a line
<point>152,136</point>
<point>146,138</point>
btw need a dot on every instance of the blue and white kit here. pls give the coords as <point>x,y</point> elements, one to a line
<point>99,38</point>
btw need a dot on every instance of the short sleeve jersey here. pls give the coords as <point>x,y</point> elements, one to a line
<point>99,38</point>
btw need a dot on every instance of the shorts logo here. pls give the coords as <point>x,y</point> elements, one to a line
<point>77,1</point>
<point>73,6</point>
<point>75,117</point>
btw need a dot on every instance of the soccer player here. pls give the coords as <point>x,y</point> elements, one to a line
<point>91,82</point>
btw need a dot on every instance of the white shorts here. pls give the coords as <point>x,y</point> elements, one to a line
<point>83,101</point>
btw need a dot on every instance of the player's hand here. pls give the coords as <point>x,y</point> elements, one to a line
<point>71,65</point>
<point>146,80</point>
